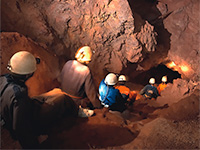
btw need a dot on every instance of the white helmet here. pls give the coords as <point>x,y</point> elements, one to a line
<point>22,63</point>
<point>84,54</point>
<point>111,79</point>
<point>122,78</point>
<point>152,81</point>
<point>164,79</point>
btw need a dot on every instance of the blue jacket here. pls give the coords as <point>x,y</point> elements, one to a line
<point>109,95</point>
<point>149,91</point>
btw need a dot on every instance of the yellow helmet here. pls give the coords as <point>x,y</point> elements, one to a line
<point>22,63</point>
<point>122,78</point>
<point>164,79</point>
<point>152,81</point>
<point>111,79</point>
<point>84,54</point>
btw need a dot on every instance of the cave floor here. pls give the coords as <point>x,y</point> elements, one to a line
<point>98,131</point>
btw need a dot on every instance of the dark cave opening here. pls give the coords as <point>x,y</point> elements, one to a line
<point>156,72</point>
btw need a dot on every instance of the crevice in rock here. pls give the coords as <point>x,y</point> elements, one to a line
<point>156,72</point>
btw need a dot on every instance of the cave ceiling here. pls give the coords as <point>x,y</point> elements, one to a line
<point>126,36</point>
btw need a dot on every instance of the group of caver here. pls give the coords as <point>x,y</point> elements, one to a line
<point>26,117</point>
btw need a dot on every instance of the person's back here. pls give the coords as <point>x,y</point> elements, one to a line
<point>76,79</point>
<point>127,94</point>
<point>13,93</point>
<point>111,97</point>
<point>17,109</point>
<point>108,94</point>
<point>73,77</point>
<point>26,117</point>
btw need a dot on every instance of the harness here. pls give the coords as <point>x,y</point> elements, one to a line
<point>105,98</point>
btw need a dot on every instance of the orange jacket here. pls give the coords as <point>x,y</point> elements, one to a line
<point>161,87</point>
<point>125,90</point>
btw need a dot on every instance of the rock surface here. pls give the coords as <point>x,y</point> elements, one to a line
<point>183,24</point>
<point>165,134</point>
<point>45,77</point>
<point>63,26</point>
<point>120,34</point>
<point>126,39</point>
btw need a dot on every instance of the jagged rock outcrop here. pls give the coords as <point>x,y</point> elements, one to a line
<point>45,77</point>
<point>63,26</point>
<point>122,36</point>
<point>178,34</point>
<point>178,90</point>
<point>183,24</point>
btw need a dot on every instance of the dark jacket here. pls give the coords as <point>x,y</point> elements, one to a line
<point>111,97</point>
<point>17,110</point>
<point>76,80</point>
<point>149,91</point>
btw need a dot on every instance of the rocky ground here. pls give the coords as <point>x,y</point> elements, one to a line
<point>171,121</point>
<point>145,125</point>
<point>121,34</point>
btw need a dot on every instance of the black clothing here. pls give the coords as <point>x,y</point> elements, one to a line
<point>27,117</point>
<point>17,111</point>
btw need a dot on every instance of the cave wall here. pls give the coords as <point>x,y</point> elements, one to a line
<point>63,26</point>
<point>183,22</point>
<point>45,77</point>
<point>124,37</point>
<point>178,33</point>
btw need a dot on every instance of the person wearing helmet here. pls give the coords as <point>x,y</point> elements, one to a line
<point>150,91</point>
<point>109,96</point>
<point>76,79</point>
<point>162,85</point>
<point>23,116</point>
<point>125,91</point>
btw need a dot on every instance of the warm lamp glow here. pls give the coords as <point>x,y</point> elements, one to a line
<point>184,68</point>
<point>171,64</point>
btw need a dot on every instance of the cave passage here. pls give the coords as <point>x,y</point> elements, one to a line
<point>157,73</point>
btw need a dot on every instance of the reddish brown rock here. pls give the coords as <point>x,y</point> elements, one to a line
<point>63,26</point>
<point>45,77</point>
<point>166,134</point>
<point>183,24</point>
<point>185,109</point>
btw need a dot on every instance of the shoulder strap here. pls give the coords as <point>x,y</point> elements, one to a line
<point>106,94</point>
<point>4,89</point>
